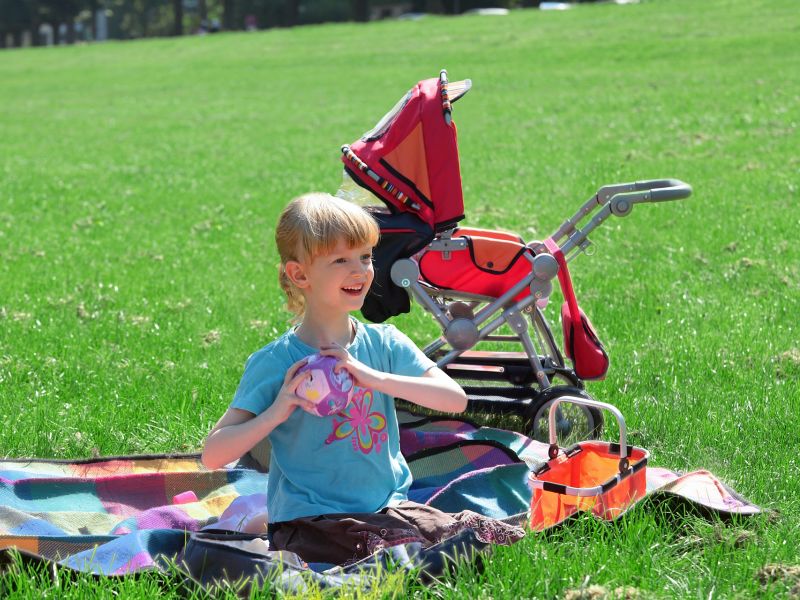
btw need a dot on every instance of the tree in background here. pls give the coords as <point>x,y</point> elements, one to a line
<point>15,18</point>
<point>177,7</point>
<point>18,16</point>
<point>227,14</point>
<point>360,10</point>
<point>58,12</point>
<point>129,19</point>
<point>92,6</point>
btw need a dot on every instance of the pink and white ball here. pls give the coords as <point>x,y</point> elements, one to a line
<point>328,390</point>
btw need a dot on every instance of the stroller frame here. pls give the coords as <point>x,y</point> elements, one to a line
<point>477,318</point>
<point>533,378</point>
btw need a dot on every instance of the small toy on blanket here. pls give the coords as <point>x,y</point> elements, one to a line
<point>186,497</point>
<point>328,389</point>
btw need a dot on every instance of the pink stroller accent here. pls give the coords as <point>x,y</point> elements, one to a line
<point>481,285</point>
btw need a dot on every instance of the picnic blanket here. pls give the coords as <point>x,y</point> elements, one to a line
<point>122,515</point>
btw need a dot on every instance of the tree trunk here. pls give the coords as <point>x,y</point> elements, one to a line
<point>292,12</point>
<point>449,7</point>
<point>227,14</point>
<point>177,6</point>
<point>56,33</point>
<point>2,39</point>
<point>360,10</point>
<point>144,21</point>
<point>36,37</point>
<point>93,8</point>
<point>202,10</point>
<point>70,31</point>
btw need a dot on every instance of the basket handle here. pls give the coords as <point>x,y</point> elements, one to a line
<point>624,463</point>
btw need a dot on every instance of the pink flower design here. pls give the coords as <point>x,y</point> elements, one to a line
<point>360,423</point>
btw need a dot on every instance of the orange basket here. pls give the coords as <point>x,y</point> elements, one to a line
<point>604,478</point>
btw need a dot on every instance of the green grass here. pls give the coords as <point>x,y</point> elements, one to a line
<point>140,183</point>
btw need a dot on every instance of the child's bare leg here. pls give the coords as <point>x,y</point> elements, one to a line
<point>256,524</point>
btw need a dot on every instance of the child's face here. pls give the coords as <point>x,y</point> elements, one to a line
<point>339,279</point>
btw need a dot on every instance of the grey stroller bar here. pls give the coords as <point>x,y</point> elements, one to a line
<point>618,200</point>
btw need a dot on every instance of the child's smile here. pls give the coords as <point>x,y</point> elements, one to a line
<point>354,290</point>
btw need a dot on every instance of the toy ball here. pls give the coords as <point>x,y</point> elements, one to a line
<point>328,390</point>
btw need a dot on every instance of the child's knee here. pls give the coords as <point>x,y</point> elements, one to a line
<point>256,524</point>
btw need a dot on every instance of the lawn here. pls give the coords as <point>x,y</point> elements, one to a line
<point>140,183</point>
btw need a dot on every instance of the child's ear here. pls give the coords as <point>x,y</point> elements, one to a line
<point>296,273</point>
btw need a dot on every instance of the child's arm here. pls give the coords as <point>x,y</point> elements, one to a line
<point>433,390</point>
<point>239,430</point>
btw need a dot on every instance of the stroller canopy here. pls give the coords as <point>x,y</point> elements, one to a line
<point>410,158</point>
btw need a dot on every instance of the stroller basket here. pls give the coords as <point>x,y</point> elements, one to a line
<point>599,477</point>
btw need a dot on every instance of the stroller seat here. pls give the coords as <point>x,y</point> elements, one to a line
<point>491,264</point>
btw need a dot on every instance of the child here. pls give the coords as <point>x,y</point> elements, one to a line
<point>337,484</point>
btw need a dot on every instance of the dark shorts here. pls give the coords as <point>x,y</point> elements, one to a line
<point>348,537</point>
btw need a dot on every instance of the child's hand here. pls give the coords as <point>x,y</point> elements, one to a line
<point>433,389</point>
<point>287,399</point>
<point>365,377</point>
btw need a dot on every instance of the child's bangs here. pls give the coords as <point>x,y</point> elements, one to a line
<point>338,220</point>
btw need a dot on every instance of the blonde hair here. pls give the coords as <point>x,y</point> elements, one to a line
<point>313,224</point>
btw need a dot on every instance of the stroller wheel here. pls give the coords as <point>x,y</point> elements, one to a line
<point>573,423</point>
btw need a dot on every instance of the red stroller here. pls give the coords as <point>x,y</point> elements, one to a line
<point>482,286</point>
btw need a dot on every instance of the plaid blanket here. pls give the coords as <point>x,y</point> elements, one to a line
<point>120,515</point>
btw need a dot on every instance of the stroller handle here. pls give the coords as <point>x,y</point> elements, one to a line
<point>617,199</point>
<point>664,189</point>
<point>658,190</point>
<point>623,432</point>
<point>655,184</point>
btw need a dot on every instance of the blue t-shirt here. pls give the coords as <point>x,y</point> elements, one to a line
<point>347,462</point>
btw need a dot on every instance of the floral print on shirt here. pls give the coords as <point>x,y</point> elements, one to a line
<point>365,428</point>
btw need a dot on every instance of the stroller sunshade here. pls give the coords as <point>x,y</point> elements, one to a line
<point>410,158</point>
